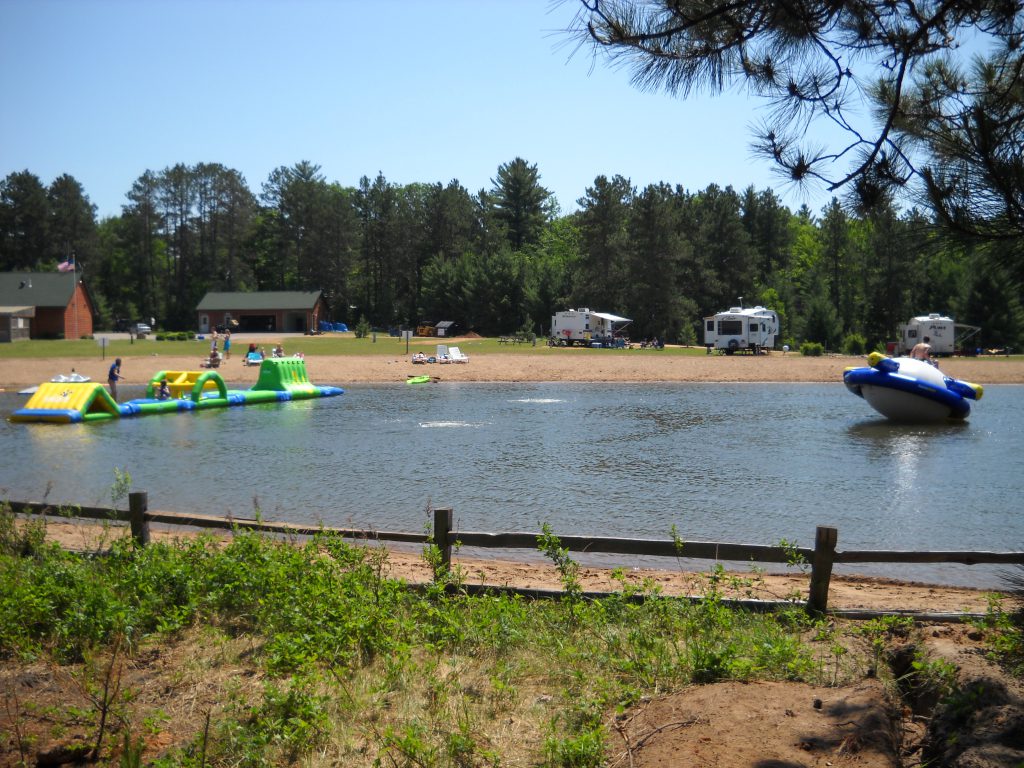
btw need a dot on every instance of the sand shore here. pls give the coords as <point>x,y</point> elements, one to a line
<point>532,364</point>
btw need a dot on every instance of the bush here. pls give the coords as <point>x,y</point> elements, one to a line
<point>175,336</point>
<point>854,344</point>
<point>812,349</point>
<point>362,328</point>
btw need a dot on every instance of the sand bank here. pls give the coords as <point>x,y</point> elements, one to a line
<point>533,364</point>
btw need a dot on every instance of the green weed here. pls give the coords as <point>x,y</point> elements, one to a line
<point>346,656</point>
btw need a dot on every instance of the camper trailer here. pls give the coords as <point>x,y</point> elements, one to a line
<point>945,335</point>
<point>741,329</point>
<point>581,326</point>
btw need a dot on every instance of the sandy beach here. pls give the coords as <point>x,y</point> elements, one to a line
<point>528,364</point>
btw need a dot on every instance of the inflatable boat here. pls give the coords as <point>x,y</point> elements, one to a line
<point>905,389</point>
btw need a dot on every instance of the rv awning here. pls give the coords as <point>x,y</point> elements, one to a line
<point>963,332</point>
<point>611,318</point>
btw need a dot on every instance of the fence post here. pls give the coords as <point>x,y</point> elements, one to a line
<point>442,537</point>
<point>825,538</point>
<point>138,503</point>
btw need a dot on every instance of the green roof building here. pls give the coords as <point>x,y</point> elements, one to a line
<point>261,311</point>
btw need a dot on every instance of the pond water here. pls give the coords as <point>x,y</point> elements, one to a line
<point>749,463</point>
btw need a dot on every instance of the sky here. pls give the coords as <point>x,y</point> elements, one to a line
<point>418,90</point>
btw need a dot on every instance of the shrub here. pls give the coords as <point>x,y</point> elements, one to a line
<point>812,349</point>
<point>854,344</point>
<point>362,327</point>
<point>175,336</point>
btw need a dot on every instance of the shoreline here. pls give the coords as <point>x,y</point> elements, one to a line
<point>539,364</point>
<point>846,592</point>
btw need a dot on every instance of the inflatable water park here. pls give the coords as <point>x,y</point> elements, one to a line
<point>907,389</point>
<point>280,379</point>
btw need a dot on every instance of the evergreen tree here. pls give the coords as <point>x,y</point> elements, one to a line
<point>522,205</point>
<point>604,244</point>
<point>657,301</point>
<point>24,223</point>
<point>72,226</point>
<point>959,131</point>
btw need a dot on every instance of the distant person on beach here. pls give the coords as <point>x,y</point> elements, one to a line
<point>922,350</point>
<point>113,376</point>
<point>227,345</point>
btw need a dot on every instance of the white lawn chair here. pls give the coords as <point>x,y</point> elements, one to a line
<point>456,355</point>
<point>443,355</point>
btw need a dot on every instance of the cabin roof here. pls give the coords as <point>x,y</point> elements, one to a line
<point>259,300</point>
<point>36,289</point>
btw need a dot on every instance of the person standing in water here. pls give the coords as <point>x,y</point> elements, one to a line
<point>113,376</point>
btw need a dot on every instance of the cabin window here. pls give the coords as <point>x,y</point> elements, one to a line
<point>730,327</point>
<point>711,326</point>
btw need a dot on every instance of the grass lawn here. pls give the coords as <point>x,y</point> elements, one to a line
<point>329,345</point>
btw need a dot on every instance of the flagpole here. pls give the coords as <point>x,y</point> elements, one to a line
<point>74,291</point>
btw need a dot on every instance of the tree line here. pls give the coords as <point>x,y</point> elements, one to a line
<point>504,259</point>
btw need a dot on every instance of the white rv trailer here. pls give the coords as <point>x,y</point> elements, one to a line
<point>582,326</point>
<point>944,334</point>
<point>749,329</point>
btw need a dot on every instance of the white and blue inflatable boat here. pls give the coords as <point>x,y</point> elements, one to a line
<point>905,389</point>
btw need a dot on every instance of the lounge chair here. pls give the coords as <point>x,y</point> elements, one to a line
<point>456,355</point>
<point>253,358</point>
<point>443,355</point>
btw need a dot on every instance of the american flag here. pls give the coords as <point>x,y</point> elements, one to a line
<point>67,266</point>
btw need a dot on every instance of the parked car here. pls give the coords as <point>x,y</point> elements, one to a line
<point>140,329</point>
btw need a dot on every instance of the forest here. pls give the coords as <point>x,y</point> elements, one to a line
<point>504,259</point>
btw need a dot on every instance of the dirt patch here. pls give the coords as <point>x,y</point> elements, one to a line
<point>761,725</point>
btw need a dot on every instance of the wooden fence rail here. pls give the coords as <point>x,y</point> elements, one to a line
<point>822,557</point>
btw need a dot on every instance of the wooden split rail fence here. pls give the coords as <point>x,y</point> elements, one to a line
<point>821,558</point>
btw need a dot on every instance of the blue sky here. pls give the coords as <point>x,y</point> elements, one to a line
<point>421,91</point>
